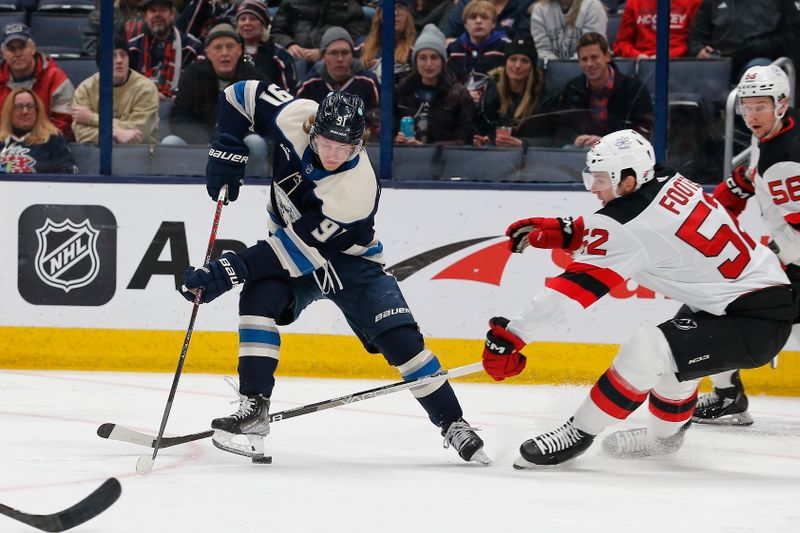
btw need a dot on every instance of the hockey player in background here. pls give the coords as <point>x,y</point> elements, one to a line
<point>658,228</point>
<point>321,244</point>
<point>773,177</point>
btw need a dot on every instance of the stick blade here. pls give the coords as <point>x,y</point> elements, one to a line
<point>95,503</point>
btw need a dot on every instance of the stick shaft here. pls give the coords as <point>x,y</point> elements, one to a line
<point>115,432</point>
<point>221,200</point>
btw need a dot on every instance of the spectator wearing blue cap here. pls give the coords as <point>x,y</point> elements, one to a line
<point>24,67</point>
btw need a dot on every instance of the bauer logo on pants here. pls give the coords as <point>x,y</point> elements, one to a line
<point>67,255</point>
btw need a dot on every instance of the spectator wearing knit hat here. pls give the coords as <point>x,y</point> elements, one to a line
<point>135,104</point>
<point>193,118</point>
<point>514,93</point>
<point>479,49</point>
<point>340,71</point>
<point>253,26</point>
<point>161,51</point>
<point>441,107</point>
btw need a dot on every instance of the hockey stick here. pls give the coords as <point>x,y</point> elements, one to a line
<point>86,509</point>
<point>120,433</point>
<point>145,463</point>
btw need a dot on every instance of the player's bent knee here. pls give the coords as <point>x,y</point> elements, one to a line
<point>399,345</point>
<point>645,355</point>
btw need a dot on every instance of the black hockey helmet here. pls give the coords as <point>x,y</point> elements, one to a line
<point>340,118</point>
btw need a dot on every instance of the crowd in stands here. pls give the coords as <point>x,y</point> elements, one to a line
<point>466,72</point>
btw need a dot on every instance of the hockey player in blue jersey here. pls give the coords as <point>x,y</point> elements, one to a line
<point>321,244</point>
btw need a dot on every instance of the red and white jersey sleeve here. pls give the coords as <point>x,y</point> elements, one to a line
<point>670,237</point>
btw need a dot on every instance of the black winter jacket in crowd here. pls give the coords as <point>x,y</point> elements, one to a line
<point>304,21</point>
<point>746,29</point>
<point>629,106</point>
<point>449,115</point>
<point>194,115</point>
<point>488,116</point>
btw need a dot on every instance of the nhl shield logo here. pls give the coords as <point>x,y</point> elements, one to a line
<point>67,255</point>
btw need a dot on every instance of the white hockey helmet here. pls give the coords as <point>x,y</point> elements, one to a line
<point>767,80</point>
<point>618,151</point>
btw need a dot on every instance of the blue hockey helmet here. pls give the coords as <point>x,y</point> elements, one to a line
<point>340,118</point>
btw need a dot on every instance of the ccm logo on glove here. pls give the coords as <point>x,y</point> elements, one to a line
<point>227,156</point>
<point>501,356</point>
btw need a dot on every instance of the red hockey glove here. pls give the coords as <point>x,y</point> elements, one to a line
<point>539,232</point>
<point>501,355</point>
<point>734,191</point>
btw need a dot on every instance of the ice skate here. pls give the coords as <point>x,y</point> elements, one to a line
<point>462,437</point>
<point>554,447</point>
<point>249,423</point>
<point>724,407</point>
<point>634,443</point>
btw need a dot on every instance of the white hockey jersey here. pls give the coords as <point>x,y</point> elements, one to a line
<point>314,214</point>
<point>776,161</point>
<point>668,236</point>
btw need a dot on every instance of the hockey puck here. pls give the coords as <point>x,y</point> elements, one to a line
<point>263,460</point>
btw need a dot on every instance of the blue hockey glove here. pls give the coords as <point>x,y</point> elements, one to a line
<point>216,278</point>
<point>226,161</point>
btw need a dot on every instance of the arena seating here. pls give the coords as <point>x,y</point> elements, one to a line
<point>77,68</point>
<point>58,34</point>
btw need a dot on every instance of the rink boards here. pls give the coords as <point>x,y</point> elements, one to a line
<point>94,282</point>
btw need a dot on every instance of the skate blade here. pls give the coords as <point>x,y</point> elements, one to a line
<point>613,450</point>
<point>254,448</point>
<point>523,464</point>
<point>738,419</point>
<point>481,458</point>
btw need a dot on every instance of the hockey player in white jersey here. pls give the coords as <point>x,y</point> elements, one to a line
<point>660,229</point>
<point>773,177</point>
<point>321,243</point>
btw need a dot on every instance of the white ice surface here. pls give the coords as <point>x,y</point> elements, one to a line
<point>378,465</point>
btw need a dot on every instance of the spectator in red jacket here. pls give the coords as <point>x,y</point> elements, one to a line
<point>637,29</point>
<point>24,67</point>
